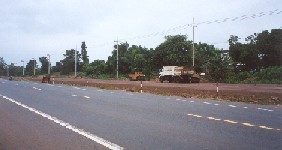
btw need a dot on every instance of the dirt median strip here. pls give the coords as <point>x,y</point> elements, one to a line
<point>249,93</point>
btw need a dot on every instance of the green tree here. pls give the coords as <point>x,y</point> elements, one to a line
<point>57,68</point>
<point>30,67</point>
<point>262,50</point>
<point>2,66</point>
<point>95,68</point>
<point>15,70</point>
<point>123,61</point>
<point>44,64</point>
<point>270,47</point>
<point>175,50</point>
<point>84,56</point>
<point>218,68</point>
<point>68,64</point>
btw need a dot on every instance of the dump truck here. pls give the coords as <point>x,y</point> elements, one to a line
<point>137,76</point>
<point>178,74</point>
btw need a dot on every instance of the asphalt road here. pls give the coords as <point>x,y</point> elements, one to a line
<point>43,116</point>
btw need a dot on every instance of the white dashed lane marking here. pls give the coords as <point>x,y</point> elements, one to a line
<point>233,122</point>
<point>88,135</point>
<point>36,88</point>
<point>86,97</point>
<point>232,106</point>
<point>248,124</point>
<point>264,109</point>
<point>77,88</point>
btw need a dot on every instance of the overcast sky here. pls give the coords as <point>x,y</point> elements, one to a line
<point>34,28</point>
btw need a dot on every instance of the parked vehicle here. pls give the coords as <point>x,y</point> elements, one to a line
<point>178,74</point>
<point>137,76</point>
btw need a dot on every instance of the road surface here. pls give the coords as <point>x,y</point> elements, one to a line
<point>46,116</point>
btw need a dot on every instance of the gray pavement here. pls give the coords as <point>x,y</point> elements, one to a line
<point>44,116</point>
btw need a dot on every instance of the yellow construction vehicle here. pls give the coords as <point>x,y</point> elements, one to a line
<point>137,76</point>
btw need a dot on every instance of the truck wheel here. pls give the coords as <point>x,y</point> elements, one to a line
<point>195,80</point>
<point>176,80</point>
<point>161,80</point>
<point>142,78</point>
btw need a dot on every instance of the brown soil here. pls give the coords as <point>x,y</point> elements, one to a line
<point>267,94</point>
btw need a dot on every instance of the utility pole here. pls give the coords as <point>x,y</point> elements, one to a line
<point>75,59</point>
<point>49,64</point>
<point>33,66</point>
<point>117,56</point>
<point>7,70</point>
<point>193,44</point>
<point>23,66</point>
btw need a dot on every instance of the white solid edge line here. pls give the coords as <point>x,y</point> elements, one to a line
<point>88,135</point>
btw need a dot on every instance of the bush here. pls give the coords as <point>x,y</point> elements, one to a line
<point>266,76</point>
<point>231,78</point>
<point>270,75</point>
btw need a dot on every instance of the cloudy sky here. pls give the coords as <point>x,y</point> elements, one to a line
<point>34,28</point>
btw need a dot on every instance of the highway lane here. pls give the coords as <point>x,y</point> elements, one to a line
<point>135,120</point>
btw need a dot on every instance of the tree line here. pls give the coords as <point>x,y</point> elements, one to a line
<point>259,52</point>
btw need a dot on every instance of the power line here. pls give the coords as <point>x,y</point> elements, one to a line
<point>209,22</point>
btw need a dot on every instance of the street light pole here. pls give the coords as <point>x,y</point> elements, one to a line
<point>33,66</point>
<point>75,59</point>
<point>193,44</point>
<point>117,56</point>
<point>49,63</point>
<point>7,70</point>
<point>23,66</point>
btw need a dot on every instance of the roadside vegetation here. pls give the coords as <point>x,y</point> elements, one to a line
<point>256,60</point>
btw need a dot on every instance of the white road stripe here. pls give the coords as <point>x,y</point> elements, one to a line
<point>36,88</point>
<point>232,106</point>
<point>206,103</point>
<point>93,137</point>
<point>86,97</point>
<point>264,109</point>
